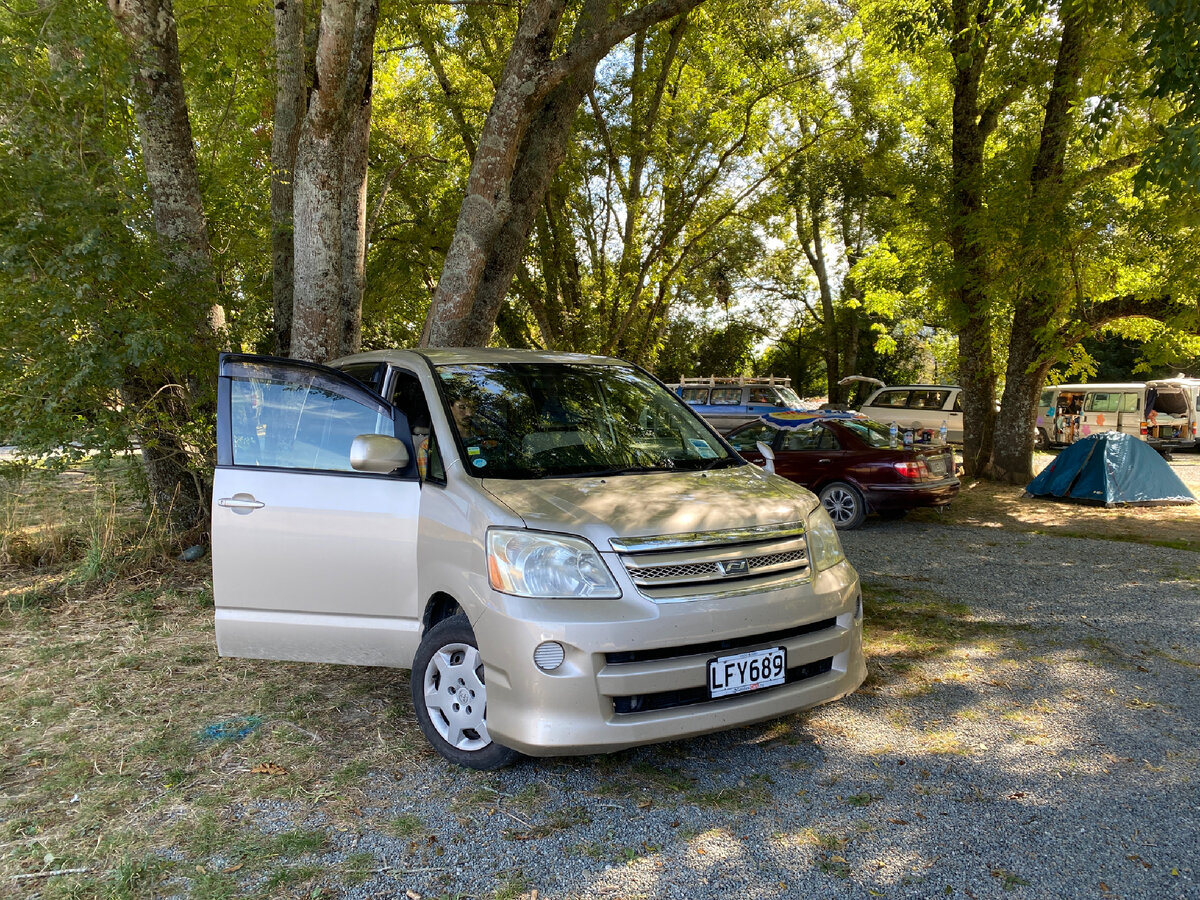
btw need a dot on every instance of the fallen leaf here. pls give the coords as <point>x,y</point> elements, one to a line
<point>644,803</point>
<point>232,869</point>
<point>898,821</point>
<point>268,768</point>
<point>412,895</point>
<point>1104,887</point>
<point>701,851</point>
<point>1016,795</point>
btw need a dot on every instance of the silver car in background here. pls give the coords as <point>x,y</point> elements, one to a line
<point>569,560</point>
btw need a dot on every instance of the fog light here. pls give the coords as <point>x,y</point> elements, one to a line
<point>549,656</point>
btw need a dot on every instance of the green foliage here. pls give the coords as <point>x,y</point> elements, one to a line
<point>1171,36</point>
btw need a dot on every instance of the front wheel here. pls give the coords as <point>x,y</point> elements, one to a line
<point>844,504</point>
<point>450,698</point>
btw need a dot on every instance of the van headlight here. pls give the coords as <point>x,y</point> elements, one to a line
<point>535,564</point>
<point>824,547</point>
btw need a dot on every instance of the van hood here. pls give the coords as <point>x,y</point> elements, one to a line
<point>657,503</point>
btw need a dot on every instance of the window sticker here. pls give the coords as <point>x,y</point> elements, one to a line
<point>479,462</point>
<point>702,448</point>
<point>473,451</point>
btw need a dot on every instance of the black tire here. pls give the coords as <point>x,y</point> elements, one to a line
<point>450,699</point>
<point>844,504</point>
<point>1041,440</point>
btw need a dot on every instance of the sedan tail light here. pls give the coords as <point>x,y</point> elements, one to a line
<point>912,469</point>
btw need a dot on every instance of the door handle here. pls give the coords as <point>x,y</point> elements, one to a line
<point>242,502</point>
<point>824,461</point>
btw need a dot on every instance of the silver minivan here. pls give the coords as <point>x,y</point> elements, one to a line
<point>566,556</point>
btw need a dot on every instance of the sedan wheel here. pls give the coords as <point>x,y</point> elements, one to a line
<point>844,505</point>
<point>450,697</point>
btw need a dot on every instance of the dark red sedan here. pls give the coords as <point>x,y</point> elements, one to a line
<point>849,461</point>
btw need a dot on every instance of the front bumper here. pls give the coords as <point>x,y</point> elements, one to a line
<point>640,676</point>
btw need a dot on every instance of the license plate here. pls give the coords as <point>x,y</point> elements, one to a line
<point>747,672</point>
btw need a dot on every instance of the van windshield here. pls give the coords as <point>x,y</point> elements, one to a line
<point>547,420</point>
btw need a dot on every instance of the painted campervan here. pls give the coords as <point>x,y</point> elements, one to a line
<point>1160,412</point>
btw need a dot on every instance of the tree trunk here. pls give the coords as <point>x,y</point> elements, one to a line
<point>970,303</point>
<point>289,113</point>
<point>165,133</point>
<point>523,141</point>
<point>1035,341</point>
<point>330,184</point>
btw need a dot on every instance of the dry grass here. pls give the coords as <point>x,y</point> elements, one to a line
<point>111,698</point>
<point>991,505</point>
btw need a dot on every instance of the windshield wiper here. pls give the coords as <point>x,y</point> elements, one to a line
<point>721,463</point>
<point>605,473</point>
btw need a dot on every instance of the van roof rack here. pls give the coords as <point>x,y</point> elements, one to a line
<point>713,380</point>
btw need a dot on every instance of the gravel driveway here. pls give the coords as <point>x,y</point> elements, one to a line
<point>1030,728</point>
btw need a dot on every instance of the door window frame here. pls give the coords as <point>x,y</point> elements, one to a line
<point>354,389</point>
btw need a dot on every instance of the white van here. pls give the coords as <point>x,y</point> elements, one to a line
<point>920,408</point>
<point>565,555</point>
<point>1162,413</point>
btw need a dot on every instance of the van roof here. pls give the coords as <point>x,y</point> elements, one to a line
<point>441,356</point>
<point>1099,386</point>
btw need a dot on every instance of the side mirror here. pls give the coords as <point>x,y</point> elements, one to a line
<point>379,453</point>
<point>768,456</point>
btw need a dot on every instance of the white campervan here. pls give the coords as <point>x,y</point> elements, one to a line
<point>1162,412</point>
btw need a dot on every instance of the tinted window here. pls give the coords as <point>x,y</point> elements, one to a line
<point>695,395</point>
<point>891,399</point>
<point>812,437</point>
<point>927,399</point>
<point>746,438</point>
<point>726,396</point>
<point>763,395</point>
<point>869,432</point>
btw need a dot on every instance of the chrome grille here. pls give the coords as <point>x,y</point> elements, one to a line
<point>650,573</point>
<point>686,567</point>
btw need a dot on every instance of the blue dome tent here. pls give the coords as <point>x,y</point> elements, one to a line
<point>1112,469</point>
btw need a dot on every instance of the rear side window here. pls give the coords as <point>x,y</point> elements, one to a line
<point>307,421</point>
<point>1099,402</point>
<point>814,437</point>
<point>1047,399</point>
<point>1130,402</point>
<point>694,396</point>
<point>726,396</point>
<point>896,399</point>
<point>927,399</point>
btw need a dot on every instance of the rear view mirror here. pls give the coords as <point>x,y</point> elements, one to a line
<point>768,456</point>
<point>379,453</point>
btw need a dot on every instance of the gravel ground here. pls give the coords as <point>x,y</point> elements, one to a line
<point>1050,749</point>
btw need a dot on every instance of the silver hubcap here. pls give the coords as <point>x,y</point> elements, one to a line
<point>841,505</point>
<point>455,696</point>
